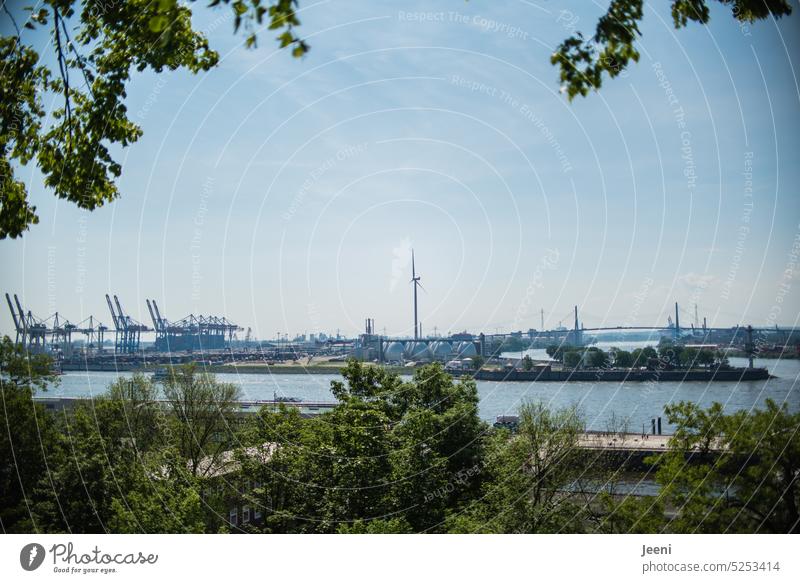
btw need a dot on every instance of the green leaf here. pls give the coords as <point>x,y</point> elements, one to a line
<point>158,23</point>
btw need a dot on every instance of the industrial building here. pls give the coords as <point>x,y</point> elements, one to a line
<point>373,347</point>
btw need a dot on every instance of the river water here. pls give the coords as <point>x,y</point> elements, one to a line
<point>598,401</point>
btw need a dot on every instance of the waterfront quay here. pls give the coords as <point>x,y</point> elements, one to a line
<point>245,407</point>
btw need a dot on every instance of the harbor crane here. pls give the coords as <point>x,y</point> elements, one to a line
<point>35,334</point>
<point>127,337</point>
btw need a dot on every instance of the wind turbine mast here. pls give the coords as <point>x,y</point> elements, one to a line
<point>415,282</point>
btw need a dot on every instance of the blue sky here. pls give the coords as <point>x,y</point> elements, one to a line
<point>286,194</point>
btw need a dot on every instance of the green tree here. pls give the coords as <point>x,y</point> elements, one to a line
<point>585,61</point>
<point>556,351</point>
<point>527,363</point>
<point>429,432</point>
<point>446,423</point>
<point>390,449</point>
<point>597,357</point>
<point>360,450</point>
<point>332,470</point>
<point>27,434</point>
<point>365,382</point>
<point>751,487</point>
<point>623,359</point>
<point>610,513</point>
<point>526,476</point>
<point>670,353</point>
<point>642,356</point>
<point>689,357</point>
<point>705,357</point>
<point>90,467</point>
<point>292,481</point>
<point>202,424</point>
<point>422,488</point>
<point>141,410</point>
<point>97,46</point>
<point>572,358</point>
<point>101,481</point>
<point>160,494</point>
<point>162,497</point>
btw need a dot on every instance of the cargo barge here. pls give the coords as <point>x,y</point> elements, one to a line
<point>548,374</point>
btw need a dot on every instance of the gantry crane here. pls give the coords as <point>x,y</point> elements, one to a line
<point>128,332</point>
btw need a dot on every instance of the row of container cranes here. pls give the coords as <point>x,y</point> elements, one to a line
<point>54,332</point>
<point>192,332</point>
<point>57,334</point>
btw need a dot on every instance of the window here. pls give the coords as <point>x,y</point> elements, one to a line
<point>233,516</point>
<point>245,514</point>
<point>257,514</point>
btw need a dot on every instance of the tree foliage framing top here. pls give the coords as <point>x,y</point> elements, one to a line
<point>584,62</point>
<point>98,43</point>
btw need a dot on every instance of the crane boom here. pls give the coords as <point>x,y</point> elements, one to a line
<point>158,313</point>
<point>113,315</point>
<point>22,316</point>
<point>13,314</point>
<point>156,323</point>
<point>122,317</point>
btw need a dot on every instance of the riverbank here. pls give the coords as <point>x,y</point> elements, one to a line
<point>233,368</point>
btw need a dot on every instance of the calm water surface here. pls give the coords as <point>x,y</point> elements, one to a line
<point>638,402</point>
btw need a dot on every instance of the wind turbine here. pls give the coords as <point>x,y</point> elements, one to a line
<point>415,282</point>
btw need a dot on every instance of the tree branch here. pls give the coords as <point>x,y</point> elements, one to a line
<point>13,20</point>
<point>64,71</point>
<point>78,57</point>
